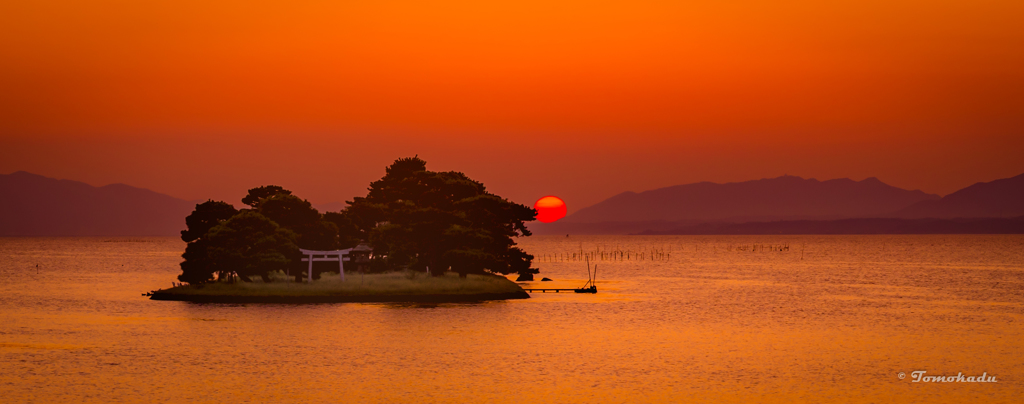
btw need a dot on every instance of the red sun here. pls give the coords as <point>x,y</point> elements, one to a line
<point>549,209</point>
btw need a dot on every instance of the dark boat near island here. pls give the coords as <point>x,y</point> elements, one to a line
<point>591,289</point>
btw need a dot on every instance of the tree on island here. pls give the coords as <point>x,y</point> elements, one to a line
<point>441,220</point>
<point>224,241</point>
<point>299,216</point>
<point>414,217</point>
<point>312,230</point>
<point>197,268</point>
<point>249,244</point>
<point>206,215</point>
<point>349,234</point>
<point>256,195</point>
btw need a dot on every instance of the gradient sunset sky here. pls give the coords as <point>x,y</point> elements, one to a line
<point>580,99</point>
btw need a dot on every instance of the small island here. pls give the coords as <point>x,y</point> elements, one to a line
<point>417,236</point>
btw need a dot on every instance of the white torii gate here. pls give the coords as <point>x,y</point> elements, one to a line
<point>335,255</point>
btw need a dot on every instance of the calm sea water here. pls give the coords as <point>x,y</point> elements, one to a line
<point>834,318</point>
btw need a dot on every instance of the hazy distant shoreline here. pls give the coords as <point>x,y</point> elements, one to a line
<point>40,206</point>
<point>854,226</point>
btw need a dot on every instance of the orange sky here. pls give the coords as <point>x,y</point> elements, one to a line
<point>577,99</point>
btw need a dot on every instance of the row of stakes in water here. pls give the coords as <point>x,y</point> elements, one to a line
<point>653,254</point>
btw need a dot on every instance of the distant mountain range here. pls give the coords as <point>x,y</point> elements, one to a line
<point>33,205</point>
<point>999,198</point>
<point>986,225</point>
<point>772,198</point>
<point>709,207</point>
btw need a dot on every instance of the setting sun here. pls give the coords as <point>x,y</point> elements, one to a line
<point>549,209</point>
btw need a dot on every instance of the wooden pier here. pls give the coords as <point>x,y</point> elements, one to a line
<point>531,290</point>
<point>589,289</point>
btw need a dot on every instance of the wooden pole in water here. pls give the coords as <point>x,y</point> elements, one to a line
<point>588,274</point>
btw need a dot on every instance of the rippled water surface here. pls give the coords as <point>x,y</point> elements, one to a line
<point>711,319</point>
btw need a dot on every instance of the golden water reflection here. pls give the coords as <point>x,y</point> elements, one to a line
<point>710,324</point>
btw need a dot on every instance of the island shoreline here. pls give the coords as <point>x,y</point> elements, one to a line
<point>414,298</point>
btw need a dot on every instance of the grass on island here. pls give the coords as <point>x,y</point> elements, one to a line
<point>355,284</point>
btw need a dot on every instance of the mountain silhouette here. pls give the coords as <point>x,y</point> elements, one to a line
<point>786,197</point>
<point>983,225</point>
<point>33,205</point>
<point>999,198</point>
